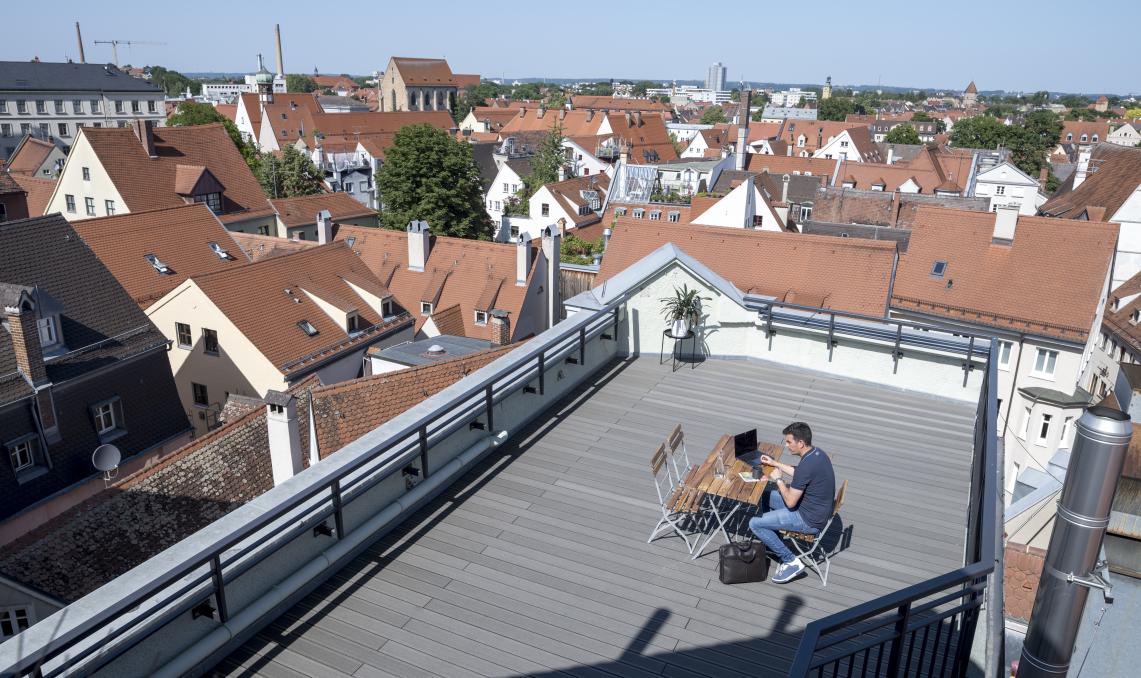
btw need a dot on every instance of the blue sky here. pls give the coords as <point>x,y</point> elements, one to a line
<point>1000,44</point>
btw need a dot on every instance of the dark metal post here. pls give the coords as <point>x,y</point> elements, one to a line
<point>896,655</point>
<point>1083,514</point>
<point>422,434</point>
<point>542,369</point>
<point>219,588</point>
<point>582,345</point>
<point>338,515</point>
<point>490,402</point>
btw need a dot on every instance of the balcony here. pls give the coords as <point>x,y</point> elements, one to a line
<point>523,548</point>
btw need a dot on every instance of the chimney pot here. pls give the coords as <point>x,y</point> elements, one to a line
<point>419,243</point>
<point>500,327</point>
<point>26,342</point>
<point>551,243</point>
<point>324,227</point>
<point>284,436</point>
<point>522,258</point>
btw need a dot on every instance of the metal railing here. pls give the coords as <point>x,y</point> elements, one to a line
<point>926,629</point>
<point>196,583</point>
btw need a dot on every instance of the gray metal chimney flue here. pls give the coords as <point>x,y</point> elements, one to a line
<point>1083,514</point>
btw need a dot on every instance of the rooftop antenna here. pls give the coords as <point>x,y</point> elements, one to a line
<point>106,458</point>
<point>115,46</point>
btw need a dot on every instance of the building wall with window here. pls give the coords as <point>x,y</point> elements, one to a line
<point>60,114</point>
<point>1006,185</point>
<point>76,187</point>
<point>507,182</point>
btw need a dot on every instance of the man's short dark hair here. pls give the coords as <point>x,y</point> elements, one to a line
<point>799,431</point>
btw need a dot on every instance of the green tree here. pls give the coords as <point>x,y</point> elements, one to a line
<point>172,82</point>
<point>978,132</point>
<point>556,100</point>
<point>528,91</point>
<point>545,162</point>
<point>195,113</point>
<point>1133,113</point>
<point>758,115</point>
<point>713,115</point>
<point>921,116</point>
<point>1045,125</point>
<point>902,134</point>
<point>295,82</point>
<point>641,86</point>
<point>1028,145</point>
<point>289,175</point>
<point>836,108</point>
<point>1083,114</point>
<point>429,175</point>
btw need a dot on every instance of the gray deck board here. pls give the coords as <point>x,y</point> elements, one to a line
<point>537,563</point>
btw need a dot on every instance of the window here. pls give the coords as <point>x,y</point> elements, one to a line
<point>638,212</point>
<point>386,308</point>
<point>89,205</point>
<point>505,187</point>
<point>48,334</point>
<point>96,107</point>
<point>546,210</point>
<point>62,128</point>
<point>263,230</point>
<point>1135,316</point>
<point>87,174</point>
<point>152,107</point>
<point>619,211</point>
<point>1025,424</point>
<point>109,207</point>
<point>22,453</point>
<point>1004,348</point>
<point>135,107</point>
<point>42,107</point>
<point>3,106</point>
<point>45,130</point>
<point>21,107</point>
<point>674,216</point>
<point>1104,338</point>
<point>1094,138</point>
<point>805,212</point>
<point>425,308</point>
<point>119,107</point>
<point>182,335</point>
<point>210,341</point>
<point>843,144</point>
<point>481,317</point>
<point>1084,137</point>
<point>1000,190</point>
<point>353,323</point>
<point>348,187</point>
<point>77,106</point>
<point>758,220</point>
<point>6,130</point>
<point>938,269</point>
<point>13,620</point>
<point>212,200</point>
<point>1069,136</point>
<point>108,417</point>
<point>70,200</point>
<point>1044,363</point>
<point>655,215</point>
<point>201,397</point>
<point>1044,429</point>
<point>25,128</point>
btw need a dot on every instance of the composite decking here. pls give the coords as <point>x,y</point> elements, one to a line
<point>537,562</point>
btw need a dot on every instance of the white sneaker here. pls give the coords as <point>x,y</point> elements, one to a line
<point>788,571</point>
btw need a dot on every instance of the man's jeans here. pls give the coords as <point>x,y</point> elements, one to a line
<point>778,517</point>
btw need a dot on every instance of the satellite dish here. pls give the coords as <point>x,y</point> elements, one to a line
<point>106,458</point>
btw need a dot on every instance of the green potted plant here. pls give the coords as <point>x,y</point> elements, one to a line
<point>682,310</point>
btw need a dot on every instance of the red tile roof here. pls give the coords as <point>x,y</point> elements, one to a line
<point>471,267</point>
<point>465,80</point>
<point>39,192</point>
<point>810,270</point>
<point>303,210</point>
<point>1035,297</point>
<point>149,183</point>
<point>415,71</point>
<point>1116,175</point>
<point>178,236</point>
<point>31,153</point>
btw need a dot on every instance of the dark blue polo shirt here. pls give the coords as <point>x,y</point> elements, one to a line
<point>814,475</point>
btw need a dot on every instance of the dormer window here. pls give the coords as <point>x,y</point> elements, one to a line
<point>49,333</point>
<point>1070,136</point>
<point>1116,303</point>
<point>638,212</point>
<point>1135,316</point>
<point>938,269</point>
<point>158,265</point>
<point>655,215</point>
<point>307,327</point>
<point>353,323</point>
<point>425,308</point>
<point>481,317</point>
<point>386,308</point>
<point>1084,137</point>
<point>212,200</point>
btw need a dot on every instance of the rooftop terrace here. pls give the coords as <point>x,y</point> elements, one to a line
<point>537,561</point>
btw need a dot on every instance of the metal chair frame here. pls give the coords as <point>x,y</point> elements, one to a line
<point>815,552</point>
<point>666,492</point>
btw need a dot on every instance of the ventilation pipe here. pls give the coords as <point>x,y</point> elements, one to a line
<point>1083,514</point>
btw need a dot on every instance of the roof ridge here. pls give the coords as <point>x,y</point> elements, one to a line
<point>269,262</point>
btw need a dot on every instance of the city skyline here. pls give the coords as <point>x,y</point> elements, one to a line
<point>1011,62</point>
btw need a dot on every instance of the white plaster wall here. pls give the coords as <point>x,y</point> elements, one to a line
<point>1128,261</point>
<point>71,182</point>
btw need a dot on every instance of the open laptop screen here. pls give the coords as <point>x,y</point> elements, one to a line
<point>745,442</point>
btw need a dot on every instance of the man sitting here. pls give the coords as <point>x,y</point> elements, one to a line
<point>804,505</point>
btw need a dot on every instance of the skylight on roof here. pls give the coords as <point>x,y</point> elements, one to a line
<point>158,265</point>
<point>307,327</point>
<point>220,251</point>
<point>938,269</point>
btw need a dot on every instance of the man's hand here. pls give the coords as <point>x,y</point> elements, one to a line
<point>775,474</point>
<point>767,460</point>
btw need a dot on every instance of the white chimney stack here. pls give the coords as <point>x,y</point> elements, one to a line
<point>522,258</point>
<point>1005,221</point>
<point>551,244</point>
<point>280,61</point>
<point>284,436</point>
<point>784,188</point>
<point>1082,168</point>
<point>324,227</point>
<point>418,244</point>
<point>890,153</point>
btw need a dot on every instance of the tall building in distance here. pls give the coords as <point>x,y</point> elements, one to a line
<point>826,93</point>
<point>715,78</point>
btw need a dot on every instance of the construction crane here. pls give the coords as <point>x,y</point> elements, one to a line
<point>115,46</point>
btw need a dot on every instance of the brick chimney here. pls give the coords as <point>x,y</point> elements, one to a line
<point>542,111</point>
<point>284,436</point>
<point>1043,178</point>
<point>590,115</point>
<point>551,244</point>
<point>500,327</point>
<point>522,258</point>
<point>324,227</point>
<point>144,132</point>
<point>26,342</point>
<point>419,242</point>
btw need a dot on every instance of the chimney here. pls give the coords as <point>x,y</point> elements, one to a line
<point>890,153</point>
<point>144,132</point>
<point>280,61</point>
<point>1043,177</point>
<point>562,172</point>
<point>79,39</point>
<point>284,436</point>
<point>1096,461</point>
<point>1005,221</point>
<point>26,341</point>
<point>637,118</point>
<point>324,227</point>
<point>570,103</point>
<point>522,111</point>
<point>522,258</point>
<point>623,153</point>
<point>628,118</point>
<point>500,327</point>
<point>784,188</point>
<point>418,245</point>
<point>606,233</point>
<point>562,114</point>
<point>590,115</point>
<point>788,150</point>
<point>1082,168</point>
<point>542,111</point>
<point>742,148</point>
<point>551,243</point>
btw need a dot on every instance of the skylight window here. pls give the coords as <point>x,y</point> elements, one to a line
<point>307,327</point>
<point>351,240</point>
<point>220,251</point>
<point>939,269</point>
<point>158,265</point>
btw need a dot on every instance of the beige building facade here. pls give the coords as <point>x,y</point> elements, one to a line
<point>410,84</point>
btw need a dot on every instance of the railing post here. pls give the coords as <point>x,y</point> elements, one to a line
<point>542,370</point>
<point>422,434</point>
<point>219,588</point>
<point>893,667</point>
<point>896,354</point>
<point>831,333</point>
<point>338,516</point>
<point>582,345</point>
<point>490,403</point>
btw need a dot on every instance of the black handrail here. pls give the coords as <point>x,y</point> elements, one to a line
<point>967,584</point>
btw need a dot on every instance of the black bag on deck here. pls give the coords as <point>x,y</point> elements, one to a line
<point>743,562</point>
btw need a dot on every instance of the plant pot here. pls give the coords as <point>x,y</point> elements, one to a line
<point>680,328</point>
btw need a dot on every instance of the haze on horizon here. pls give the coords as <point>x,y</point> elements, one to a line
<point>1012,46</point>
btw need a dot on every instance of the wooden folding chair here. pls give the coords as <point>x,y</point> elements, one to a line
<point>808,546</point>
<point>675,500</point>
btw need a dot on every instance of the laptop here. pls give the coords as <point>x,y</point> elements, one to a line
<point>745,447</point>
